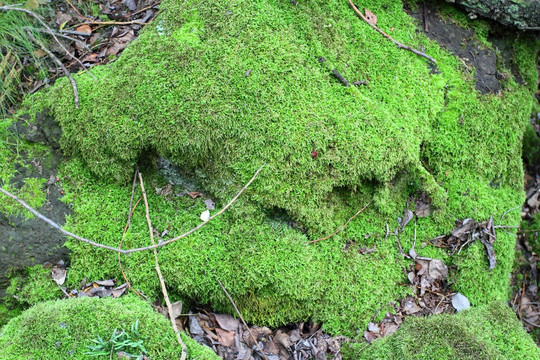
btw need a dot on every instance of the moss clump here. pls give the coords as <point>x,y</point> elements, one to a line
<point>32,286</point>
<point>221,87</point>
<point>63,329</point>
<point>487,332</point>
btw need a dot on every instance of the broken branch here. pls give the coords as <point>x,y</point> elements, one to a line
<point>126,252</point>
<point>59,63</point>
<point>160,276</point>
<point>398,44</point>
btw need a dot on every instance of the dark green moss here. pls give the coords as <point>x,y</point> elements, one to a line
<point>487,332</point>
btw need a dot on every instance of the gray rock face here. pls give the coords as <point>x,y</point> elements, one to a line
<point>30,242</point>
<point>524,14</point>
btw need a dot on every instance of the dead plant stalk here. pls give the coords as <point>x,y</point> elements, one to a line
<point>398,44</point>
<point>158,270</point>
<point>129,251</point>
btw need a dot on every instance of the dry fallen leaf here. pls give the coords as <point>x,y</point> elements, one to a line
<point>58,274</point>
<point>84,29</point>
<point>226,338</point>
<point>371,17</point>
<point>227,322</point>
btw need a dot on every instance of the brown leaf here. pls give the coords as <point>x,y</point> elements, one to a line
<point>58,274</point>
<point>176,309</point>
<point>437,270</point>
<point>226,338</point>
<point>369,336</point>
<point>84,29</point>
<point>283,339</point>
<point>227,322</point>
<point>194,194</point>
<point>109,282</point>
<point>371,17</point>
<point>117,292</point>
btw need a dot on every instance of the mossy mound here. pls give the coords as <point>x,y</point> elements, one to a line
<point>487,332</point>
<point>222,87</point>
<point>65,328</point>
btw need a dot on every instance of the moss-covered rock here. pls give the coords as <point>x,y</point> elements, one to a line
<point>223,87</point>
<point>487,332</point>
<point>65,328</point>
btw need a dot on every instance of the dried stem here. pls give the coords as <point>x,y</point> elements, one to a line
<point>158,270</point>
<point>128,222</point>
<point>398,44</point>
<point>241,318</point>
<point>126,252</point>
<point>38,18</point>
<point>59,63</point>
<point>342,227</point>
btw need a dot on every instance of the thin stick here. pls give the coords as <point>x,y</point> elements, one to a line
<point>130,213</point>
<point>38,18</point>
<point>126,252</point>
<point>56,226</point>
<point>343,226</point>
<point>398,44</point>
<point>204,223</point>
<point>61,35</point>
<point>158,270</point>
<point>59,63</point>
<point>241,318</point>
<point>506,212</point>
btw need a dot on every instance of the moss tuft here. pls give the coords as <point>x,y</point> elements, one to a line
<point>487,332</point>
<point>63,329</point>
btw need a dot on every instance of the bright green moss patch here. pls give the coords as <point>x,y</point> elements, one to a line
<point>487,332</point>
<point>32,286</point>
<point>220,88</point>
<point>63,329</point>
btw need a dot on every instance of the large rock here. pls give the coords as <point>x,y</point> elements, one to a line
<point>523,14</point>
<point>221,87</point>
<point>25,240</point>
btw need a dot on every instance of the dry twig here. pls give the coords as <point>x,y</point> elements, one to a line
<point>398,44</point>
<point>158,270</point>
<point>343,226</point>
<point>241,318</point>
<point>126,252</point>
<point>49,30</point>
<point>59,63</point>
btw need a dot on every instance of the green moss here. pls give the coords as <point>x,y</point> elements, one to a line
<point>487,332</point>
<point>63,329</point>
<point>531,147</point>
<point>31,191</point>
<point>222,87</point>
<point>31,287</point>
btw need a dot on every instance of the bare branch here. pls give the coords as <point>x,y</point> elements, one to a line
<point>158,270</point>
<point>398,44</point>
<point>38,18</point>
<point>59,63</point>
<point>126,252</point>
<point>56,226</point>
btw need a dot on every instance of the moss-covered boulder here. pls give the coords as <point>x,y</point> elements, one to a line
<point>222,87</point>
<point>487,332</point>
<point>66,329</point>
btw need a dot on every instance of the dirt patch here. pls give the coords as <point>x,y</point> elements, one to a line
<point>462,43</point>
